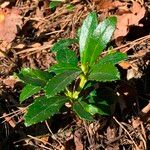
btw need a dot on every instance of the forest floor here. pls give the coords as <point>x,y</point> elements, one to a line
<point>31,28</point>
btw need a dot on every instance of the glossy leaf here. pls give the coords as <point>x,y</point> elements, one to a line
<point>61,68</point>
<point>59,82</point>
<point>104,73</point>
<point>35,77</point>
<point>67,56</point>
<point>101,36</point>
<point>93,39</point>
<point>79,109</point>
<point>43,108</point>
<point>63,44</point>
<point>112,58</point>
<point>86,32</point>
<point>28,91</point>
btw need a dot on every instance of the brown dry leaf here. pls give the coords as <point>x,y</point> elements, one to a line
<point>136,122</point>
<point>10,20</point>
<point>10,81</point>
<point>107,5</point>
<point>128,19</point>
<point>77,140</point>
<point>111,133</point>
<point>124,64</point>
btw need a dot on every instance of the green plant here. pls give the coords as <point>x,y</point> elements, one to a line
<point>54,3</point>
<point>66,81</point>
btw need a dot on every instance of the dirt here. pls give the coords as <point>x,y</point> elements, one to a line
<point>28,29</point>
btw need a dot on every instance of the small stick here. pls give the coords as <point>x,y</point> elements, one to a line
<point>126,132</point>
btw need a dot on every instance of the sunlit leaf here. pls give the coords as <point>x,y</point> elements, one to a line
<point>28,91</point>
<point>104,73</point>
<point>67,56</point>
<point>59,82</point>
<point>43,108</point>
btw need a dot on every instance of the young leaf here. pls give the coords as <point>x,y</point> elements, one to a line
<point>59,82</point>
<point>67,56</point>
<point>28,91</point>
<point>112,58</point>
<point>43,108</point>
<point>63,44</point>
<point>101,36</point>
<point>104,72</point>
<point>81,112</point>
<point>86,31</point>
<point>60,68</point>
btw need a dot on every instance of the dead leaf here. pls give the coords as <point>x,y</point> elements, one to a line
<point>124,64</point>
<point>10,20</point>
<point>102,5</point>
<point>136,122</point>
<point>111,133</point>
<point>10,81</point>
<point>124,21</point>
<point>20,46</point>
<point>77,140</point>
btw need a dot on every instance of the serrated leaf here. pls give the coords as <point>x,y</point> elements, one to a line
<point>112,58</point>
<point>93,38</point>
<point>86,31</point>
<point>92,109</point>
<point>60,68</point>
<point>34,77</point>
<point>79,109</point>
<point>63,44</point>
<point>101,36</point>
<point>28,91</point>
<point>104,73</point>
<point>42,75</point>
<point>43,108</point>
<point>59,82</point>
<point>67,56</point>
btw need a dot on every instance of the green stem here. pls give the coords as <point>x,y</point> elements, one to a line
<point>83,80</point>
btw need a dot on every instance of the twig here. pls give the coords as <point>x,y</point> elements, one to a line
<point>126,132</point>
<point>35,49</point>
<point>37,139</point>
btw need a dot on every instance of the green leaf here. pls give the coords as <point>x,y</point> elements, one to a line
<point>43,108</point>
<point>54,4</point>
<point>28,91</point>
<point>67,56</point>
<point>60,68</point>
<point>101,36</point>
<point>86,31</point>
<point>63,44</point>
<point>104,72</point>
<point>34,77</point>
<point>59,82</point>
<point>112,58</point>
<point>92,109</point>
<point>79,109</point>
<point>93,39</point>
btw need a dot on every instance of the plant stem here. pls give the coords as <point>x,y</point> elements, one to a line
<point>83,80</point>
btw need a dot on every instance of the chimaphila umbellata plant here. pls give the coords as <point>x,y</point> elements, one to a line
<point>65,81</point>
